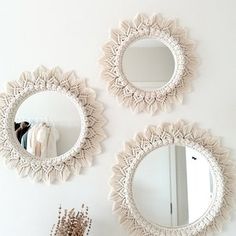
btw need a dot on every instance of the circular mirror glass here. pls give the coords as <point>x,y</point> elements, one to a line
<point>173,186</point>
<point>148,64</point>
<point>47,124</point>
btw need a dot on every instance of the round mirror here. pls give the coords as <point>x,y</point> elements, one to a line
<point>173,186</point>
<point>148,64</point>
<point>47,124</point>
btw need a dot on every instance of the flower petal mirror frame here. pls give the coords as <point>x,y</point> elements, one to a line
<point>181,133</point>
<point>58,168</point>
<point>169,33</point>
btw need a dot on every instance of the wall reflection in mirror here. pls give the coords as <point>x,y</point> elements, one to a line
<point>47,124</point>
<point>173,186</point>
<point>148,64</point>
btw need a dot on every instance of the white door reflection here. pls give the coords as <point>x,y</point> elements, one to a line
<point>172,186</point>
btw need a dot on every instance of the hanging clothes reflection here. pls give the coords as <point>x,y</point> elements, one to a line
<point>39,139</point>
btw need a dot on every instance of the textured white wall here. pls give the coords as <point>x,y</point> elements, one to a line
<point>70,34</point>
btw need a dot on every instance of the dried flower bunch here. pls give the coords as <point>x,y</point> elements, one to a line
<point>72,223</point>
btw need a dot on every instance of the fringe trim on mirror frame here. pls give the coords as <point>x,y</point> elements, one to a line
<point>182,133</point>
<point>169,33</point>
<point>92,133</point>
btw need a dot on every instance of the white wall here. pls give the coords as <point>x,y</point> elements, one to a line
<point>153,65</point>
<point>70,34</point>
<point>151,187</point>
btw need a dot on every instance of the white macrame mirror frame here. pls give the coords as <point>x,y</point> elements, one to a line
<point>92,133</point>
<point>182,133</point>
<point>174,37</point>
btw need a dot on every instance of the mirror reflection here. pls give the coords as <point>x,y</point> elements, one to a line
<point>47,124</point>
<point>173,186</point>
<point>148,64</point>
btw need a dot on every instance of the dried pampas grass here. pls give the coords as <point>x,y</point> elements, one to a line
<point>72,223</point>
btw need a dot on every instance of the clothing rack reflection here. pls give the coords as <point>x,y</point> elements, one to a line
<point>38,136</point>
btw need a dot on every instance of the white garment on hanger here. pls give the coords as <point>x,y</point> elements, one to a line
<point>32,141</point>
<point>48,136</point>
